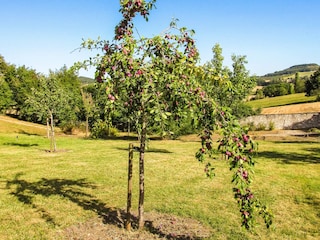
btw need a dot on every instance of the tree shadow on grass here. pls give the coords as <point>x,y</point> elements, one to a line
<point>314,150</point>
<point>126,138</point>
<point>21,144</point>
<point>76,192</point>
<point>297,141</point>
<point>72,190</point>
<point>149,150</point>
<point>291,158</point>
<point>315,203</point>
<point>27,133</point>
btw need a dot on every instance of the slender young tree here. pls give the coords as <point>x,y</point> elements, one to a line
<point>48,101</point>
<point>151,77</point>
<point>89,106</point>
<point>156,79</point>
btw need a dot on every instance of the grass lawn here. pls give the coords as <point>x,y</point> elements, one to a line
<point>42,193</point>
<point>281,100</point>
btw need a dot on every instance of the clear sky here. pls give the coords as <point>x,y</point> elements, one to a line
<point>273,34</point>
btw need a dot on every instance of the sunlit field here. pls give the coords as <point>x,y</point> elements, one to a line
<point>281,100</point>
<point>42,193</point>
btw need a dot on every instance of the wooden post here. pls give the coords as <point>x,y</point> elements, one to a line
<point>129,196</point>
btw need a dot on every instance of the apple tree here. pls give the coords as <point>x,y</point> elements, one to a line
<point>156,80</point>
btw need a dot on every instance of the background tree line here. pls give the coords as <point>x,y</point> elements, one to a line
<point>27,94</point>
<point>61,99</point>
<point>280,84</point>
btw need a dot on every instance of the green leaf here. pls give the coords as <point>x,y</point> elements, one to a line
<point>164,116</point>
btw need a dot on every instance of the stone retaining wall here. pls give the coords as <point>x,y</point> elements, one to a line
<point>285,121</point>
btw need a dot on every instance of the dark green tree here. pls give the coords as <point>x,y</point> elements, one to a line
<point>313,84</point>
<point>3,65</point>
<point>259,94</point>
<point>102,113</point>
<point>21,80</point>
<point>6,96</point>
<point>278,89</point>
<point>299,84</point>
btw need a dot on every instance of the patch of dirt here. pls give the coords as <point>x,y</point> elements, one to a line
<point>57,151</point>
<point>157,226</point>
<point>295,108</point>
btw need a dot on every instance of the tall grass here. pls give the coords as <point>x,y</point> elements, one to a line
<point>42,193</point>
<point>281,100</point>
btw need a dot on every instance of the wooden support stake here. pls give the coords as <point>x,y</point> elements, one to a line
<point>129,196</point>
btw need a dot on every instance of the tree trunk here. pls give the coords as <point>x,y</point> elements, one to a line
<point>128,128</point>
<point>87,126</point>
<point>141,170</point>
<point>53,146</point>
<point>48,129</point>
<point>108,123</point>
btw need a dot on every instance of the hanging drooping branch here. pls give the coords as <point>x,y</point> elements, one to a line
<point>238,149</point>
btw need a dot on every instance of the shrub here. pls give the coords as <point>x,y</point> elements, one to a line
<point>250,126</point>
<point>261,127</point>
<point>242,110</point>
<point>101,129</point>
<point>72,126</point>
<point>271,126</point>
<point>316,93</point>
<point>67,127</point>
<point>314,130</point>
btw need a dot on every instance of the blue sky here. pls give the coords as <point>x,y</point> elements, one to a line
<point>273,34</point>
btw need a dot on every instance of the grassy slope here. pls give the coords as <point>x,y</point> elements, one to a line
<point>281,100</point>
<point>42,192</point>
<point>285,77</point>
<point>12,125</point>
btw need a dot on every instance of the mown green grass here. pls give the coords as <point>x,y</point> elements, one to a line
<point>42,193</point>
<point>281,100</point>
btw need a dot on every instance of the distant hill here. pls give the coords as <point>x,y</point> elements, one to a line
<point>288,74</point>
<point>294,69</point>
<point>86,80</point>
